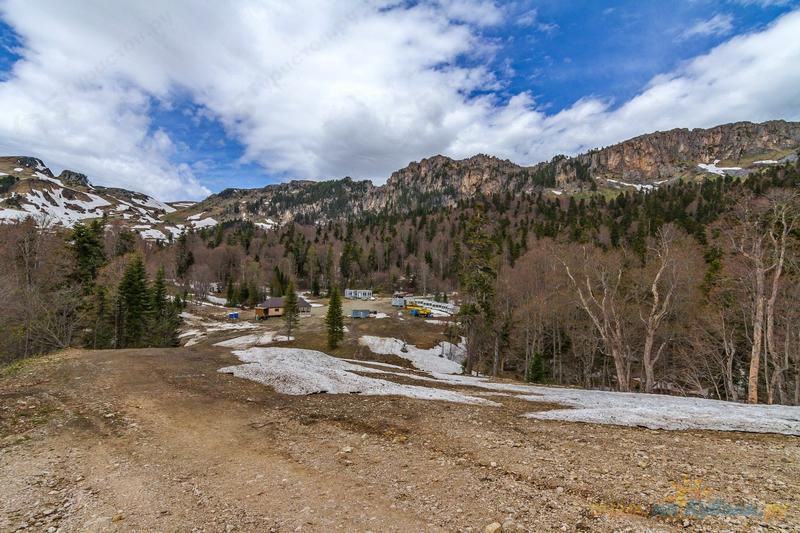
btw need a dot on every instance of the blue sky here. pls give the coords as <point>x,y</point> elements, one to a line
<point>611,50</point>
<point>182,100</point>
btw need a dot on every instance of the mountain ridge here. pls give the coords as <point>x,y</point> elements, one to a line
<point>644,162</point>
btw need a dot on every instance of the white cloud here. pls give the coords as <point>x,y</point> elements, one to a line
<point>530,18</point>
<point>762,3</point>
<point>719,24</point>
<point>326,89</point>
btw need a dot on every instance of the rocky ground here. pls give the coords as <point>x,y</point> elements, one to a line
<point>158,440</point>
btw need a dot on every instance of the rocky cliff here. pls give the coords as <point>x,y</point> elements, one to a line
<point>668,154</point>
<point>28,187</point>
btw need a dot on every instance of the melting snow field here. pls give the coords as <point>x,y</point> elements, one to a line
<point>256,339</point>
<point>656,411</point>
<point>427,360</point>
<point>199,327</point>
<point>714,169</point>
<point>296,371</point>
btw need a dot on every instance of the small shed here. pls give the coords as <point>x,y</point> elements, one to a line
<point>399,299</point>
<point>303,305</point>
<point>360,313</point>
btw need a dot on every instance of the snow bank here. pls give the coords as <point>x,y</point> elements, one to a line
<point>216,299</point>
<point>152,203</point>
<point>654,411</point>
<point>638,186</point>
<point>205,223</point>
<point>199,327</point>
<point>268,224</point>
<point>427,360</point>
<point>714,169</point>
<point>297,372</point>
<point>62,210</point>
<point>657,411</point>
<point>248,341</point>
<point>152,234</point>
<point>13,214</point>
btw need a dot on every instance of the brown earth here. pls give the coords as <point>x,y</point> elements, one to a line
<point>158,440</point>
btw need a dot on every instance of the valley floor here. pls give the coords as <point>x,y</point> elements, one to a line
<point>160,440</point>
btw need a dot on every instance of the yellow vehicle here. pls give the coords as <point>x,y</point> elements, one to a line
<point>415,310</point>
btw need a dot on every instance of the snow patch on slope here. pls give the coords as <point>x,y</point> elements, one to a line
<point>656,411</point>
<point>428,360</point>
<point>206,222</point>
<point>298,372</point>
<point>714,169</point>
<point>256,339</point>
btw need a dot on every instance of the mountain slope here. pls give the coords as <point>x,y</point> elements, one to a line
<point>645,162</point>
<point>678,152</point>
<point>28,187</point>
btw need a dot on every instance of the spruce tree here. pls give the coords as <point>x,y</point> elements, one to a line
<point>184,259</point>
<point>230,294</point>
<point>99,331</point>
<point>133,305</point>
<point>86,245</point>
<point>126,243</point>
<point>334,319</point>
<point>164,318</point>
<point>536,372</point>
<point>291,311</point>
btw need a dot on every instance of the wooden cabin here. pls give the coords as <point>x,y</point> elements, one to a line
<point>273,307</point>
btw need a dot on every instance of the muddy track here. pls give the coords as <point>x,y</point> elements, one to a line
<point>159,440</point>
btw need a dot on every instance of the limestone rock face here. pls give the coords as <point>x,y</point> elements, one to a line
<point>74,178</point>
<point>445,179</point>
<point>667,154</point>
<point>441,181</point>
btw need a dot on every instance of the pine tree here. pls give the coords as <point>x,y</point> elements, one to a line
<point>126,243</point>
<point>184,259</point>
<point>334,319</point>
<point>86,245</point>
<point>536,372</point>
<point>277,285</point>
<point>163,318</point>
<point>329,268</point>
<point>478,275</point>
<point>133,305</point>
<point>230,294</point>
<point>291,311</point>
<point>99,322</point>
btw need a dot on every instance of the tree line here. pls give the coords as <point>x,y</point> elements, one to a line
<point>701,302</point>
<point>85,287</point>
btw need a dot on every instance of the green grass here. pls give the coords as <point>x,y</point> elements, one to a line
<point>14,367</point>
<point>748,161</point>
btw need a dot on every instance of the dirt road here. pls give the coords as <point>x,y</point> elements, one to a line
<point>158,440</point>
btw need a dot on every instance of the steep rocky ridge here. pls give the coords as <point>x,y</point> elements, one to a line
<point>668,154</point>
<point>28,187</point>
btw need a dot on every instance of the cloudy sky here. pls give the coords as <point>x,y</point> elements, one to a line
<point>182,98</point>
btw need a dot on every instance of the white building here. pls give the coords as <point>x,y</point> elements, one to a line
<point>399,299</point>
<point>358,294</point>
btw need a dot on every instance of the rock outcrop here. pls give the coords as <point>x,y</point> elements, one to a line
<point>664,155</point>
